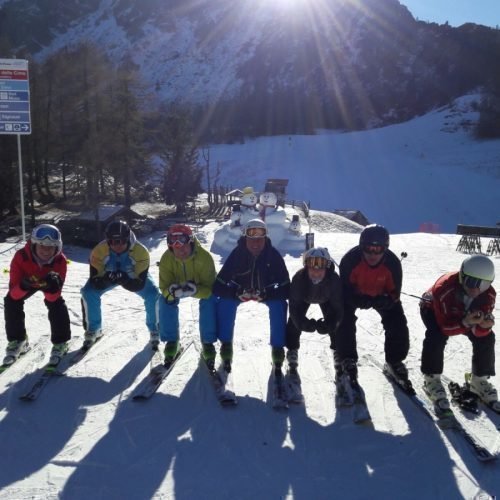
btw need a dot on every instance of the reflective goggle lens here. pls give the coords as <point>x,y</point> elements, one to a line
<point>256,232</point>
<point>178,240</point>
<point>374,249</point>
<point>46,233</point>
<point>471,282</point>
<point>317,262</point>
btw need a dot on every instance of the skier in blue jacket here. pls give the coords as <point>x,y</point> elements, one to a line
<point>254,270</point>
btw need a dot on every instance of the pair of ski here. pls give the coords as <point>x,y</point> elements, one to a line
<point>349,393</point>
<point>158,373</point>
<point>286,389</point>
<point>444,419</point>
<point>51,370</point>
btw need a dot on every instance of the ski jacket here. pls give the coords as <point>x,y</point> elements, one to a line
<point>199,268</point>
<point>448,300</point>
<point>361,281</point>
<point>328,291</point>
<point>25,265</point>
<point>134,262</point>
<point>266,274</point>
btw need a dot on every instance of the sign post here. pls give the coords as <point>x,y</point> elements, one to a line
<point>15,110</point>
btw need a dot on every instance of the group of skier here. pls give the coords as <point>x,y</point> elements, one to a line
<point>370,277</point>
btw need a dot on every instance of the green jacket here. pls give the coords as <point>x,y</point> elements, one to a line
<point>199,267</point>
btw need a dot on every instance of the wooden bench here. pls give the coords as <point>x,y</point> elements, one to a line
<point>470,242</point>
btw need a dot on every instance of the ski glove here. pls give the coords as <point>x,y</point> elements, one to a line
<point>27,285</point>
<point>363,301</point>
<point>308,325</point>
<point>175,290</point>
<point>53,283</point>
<point>117,277</point>
<point>472,318</point>
<point>250,294</point>
<point>189,289</point>
<point>322,326</point>
<point>488,321</point>
<point>383,302</point>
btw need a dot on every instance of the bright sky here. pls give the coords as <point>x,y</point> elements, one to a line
<point>456,12</point>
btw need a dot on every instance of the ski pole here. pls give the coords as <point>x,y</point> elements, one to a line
<point>417,297</point>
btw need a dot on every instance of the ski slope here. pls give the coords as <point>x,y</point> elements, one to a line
<point>85,438</point>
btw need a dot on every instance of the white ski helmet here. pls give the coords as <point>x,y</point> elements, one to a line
<point>255,228</point>
<point>477,271</point>
<point>317,258</point>
<point>47,235</point>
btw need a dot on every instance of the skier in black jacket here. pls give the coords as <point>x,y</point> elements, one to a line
<point>316,283</point>
<point>254,270</point>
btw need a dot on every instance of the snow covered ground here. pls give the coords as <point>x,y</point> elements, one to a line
<point>85,438</point>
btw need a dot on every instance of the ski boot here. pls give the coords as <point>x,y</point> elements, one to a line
<point>154,340</point>
<point>57,353</point>
<point>15,348</point>
<point>485,391</point>
<point>91,338</point>
<point>437,394</point>
<point>292,356</point>
<point>171,350</point>
<point>399,373</point>
<point>226,354</point>
<point>208,355</point>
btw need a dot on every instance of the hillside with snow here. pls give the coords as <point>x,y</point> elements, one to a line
<point>85,437</point>
<point>429,169</point>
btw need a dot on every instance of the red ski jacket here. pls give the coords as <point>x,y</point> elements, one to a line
<point>24,265</point>
<point>448,299</point>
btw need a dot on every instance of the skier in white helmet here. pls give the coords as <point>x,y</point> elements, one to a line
<point>461,303</point>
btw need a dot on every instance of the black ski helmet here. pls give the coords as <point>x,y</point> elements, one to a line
<point>374,234</point>
<point>117,230</point>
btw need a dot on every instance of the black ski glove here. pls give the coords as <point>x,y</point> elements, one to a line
<point>27,285</point>
<point>53,282</point>
<point>383,302</point>
<point>363,301</point>
<point>322,326</point>
<point>117,277</point>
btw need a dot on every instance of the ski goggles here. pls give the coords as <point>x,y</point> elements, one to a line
<point>177,240</point>
<point>471,282</point>
<point>374,249</point>
<point>255,232</point>
<point>117,241</point>
<point>317,262</point>
<point>46,236</point>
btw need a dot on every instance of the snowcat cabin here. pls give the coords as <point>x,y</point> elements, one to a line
<point>278,187</point>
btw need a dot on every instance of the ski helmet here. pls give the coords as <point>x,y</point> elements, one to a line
<point>178,235</point>
<point>47,235</point>
<point>256,228</point>
<point>375,235</point>
<point>117,230</point>
<point>477,271</point>
<point>317,258</point>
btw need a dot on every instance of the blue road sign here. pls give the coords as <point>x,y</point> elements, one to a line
<point>14,97</point>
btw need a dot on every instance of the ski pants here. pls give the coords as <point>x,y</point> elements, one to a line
<point>432,362</point>
<point>91,305</point>
<point>15,327</point>
<point>397,336</point>
<point>169,320</point>
<point>226,317</point>
<point>293,333</point>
